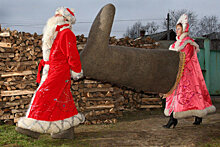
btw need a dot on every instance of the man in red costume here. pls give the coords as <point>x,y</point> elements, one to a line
<point>52,109</point>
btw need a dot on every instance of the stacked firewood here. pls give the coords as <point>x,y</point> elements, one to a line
<point>141,42</point>
<point>81,42</point>
<point>101,102</point>
<point>20,54</point>
<point>104,103</point>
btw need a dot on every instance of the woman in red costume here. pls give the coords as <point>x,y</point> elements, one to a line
<point>52,109</point>
<point>189,97</point>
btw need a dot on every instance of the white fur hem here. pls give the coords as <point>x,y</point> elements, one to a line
<point>189,113</point>
<point>179,48</point>
<point>76,75</point>
<point>166,112</point>
<point>50,126</point>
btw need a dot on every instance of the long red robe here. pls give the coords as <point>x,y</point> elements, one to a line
<point>52,106</point>
<point>53,100</point>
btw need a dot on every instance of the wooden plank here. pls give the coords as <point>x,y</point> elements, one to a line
<point>7,50</point>
<point>5,34</point>
<point>90,82</point>
<point>98,89</point>
<point>81,46</point>
<point>150,106</point>
<point>5,44</point>
<point>6,116</point>
<point>99,99</point>
<point>2,64</point>
<point>16,92</point>
<point>2,104</point>
<point>22,63</point>
<point>101,106</point>
<point>18,111</point>
<point>18,73</point>
<point>1,82</point>
<point>1,112</point>
<point>151,99</point>
<point>17,82</point>
<point>7,55</point>
<point>15,103</point>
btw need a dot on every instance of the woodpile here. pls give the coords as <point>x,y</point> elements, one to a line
<point>101,102</point>
<point>98,101</point>
<point>140,42</point>
<point>20,54</point>
<point>104,103</point>
<point>81,42</point>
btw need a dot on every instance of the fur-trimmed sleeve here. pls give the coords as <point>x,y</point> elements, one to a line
<point>69,48</point>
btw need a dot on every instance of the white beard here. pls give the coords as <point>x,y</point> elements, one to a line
<point>49,34</point>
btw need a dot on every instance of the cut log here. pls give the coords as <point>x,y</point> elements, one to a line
<point>7,50</point>
<point>151,99</point>
<point>26,82</point>
<point>5,44</point>
<point>2,64</point>
<point>90,82</point>
<point>2,50</point>
<point>22,63</point>
<point>5,34</point>
<point>98,89</point>
<point>101,106</point>
<point>18,111</point>
<point>1,112</point>
<point>99,99</point>
<point>150,106</point>
<point>17,102</point>
<point>22,73</point>
<point>1,82</point>
<point>7,55</point>
<point>6,116</point>
<point>16,92</point>
<point>81,46</point>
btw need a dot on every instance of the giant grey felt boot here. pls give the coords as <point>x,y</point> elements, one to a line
<point>28,132</point>
<point>66,134</point>
<point>148,70</point>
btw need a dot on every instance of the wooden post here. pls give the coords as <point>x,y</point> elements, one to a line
<point>168,26</point>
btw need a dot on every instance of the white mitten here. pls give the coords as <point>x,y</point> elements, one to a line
<point>75,75</point>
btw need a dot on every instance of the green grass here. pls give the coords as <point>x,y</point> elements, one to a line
<point>9,137</point>
<point>213,143</point>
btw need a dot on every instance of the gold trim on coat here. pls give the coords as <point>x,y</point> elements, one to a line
<point>179,74</point>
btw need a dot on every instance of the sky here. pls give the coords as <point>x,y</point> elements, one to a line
<point>31,15</point>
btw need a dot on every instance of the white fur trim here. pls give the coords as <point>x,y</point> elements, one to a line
<point>50,126</point>
<point>67,27</point>
<point>189,113</point>
<point>50,33</point>
<point>45,73</point>
<point>179,48</point>
<point>166,112</point>
<point>76,75</point>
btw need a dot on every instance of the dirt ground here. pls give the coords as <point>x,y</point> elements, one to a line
<point>145,129</point>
